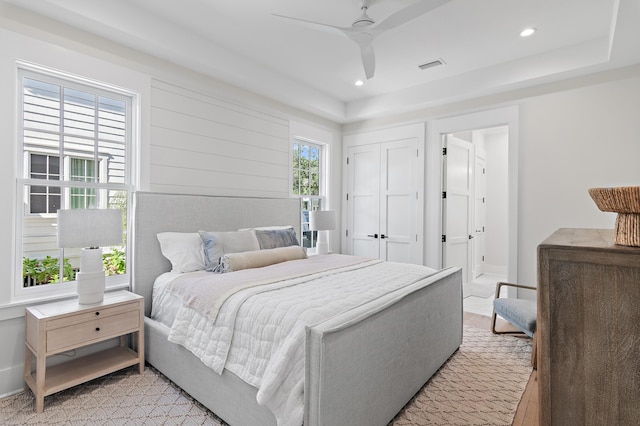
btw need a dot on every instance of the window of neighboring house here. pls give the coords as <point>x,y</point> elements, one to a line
<point>75,139</point>
<point>307,184</point>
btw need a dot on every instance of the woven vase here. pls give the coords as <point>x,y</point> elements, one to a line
<point>625,201</point>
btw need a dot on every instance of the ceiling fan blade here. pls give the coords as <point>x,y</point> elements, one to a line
<point>365,41</point>
<point>407,14</point>
<point>319,24</point>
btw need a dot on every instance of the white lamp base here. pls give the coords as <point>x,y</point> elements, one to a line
<point>322,246</point>
<point>91,277</point>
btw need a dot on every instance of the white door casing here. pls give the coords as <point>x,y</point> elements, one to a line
<point>457,204</point>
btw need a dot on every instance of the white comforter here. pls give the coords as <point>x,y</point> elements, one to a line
<point>258,333</point>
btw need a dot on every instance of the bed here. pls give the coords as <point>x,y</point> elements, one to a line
<point>361,366</point>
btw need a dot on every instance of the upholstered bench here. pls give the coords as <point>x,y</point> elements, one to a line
<point>522,313</point>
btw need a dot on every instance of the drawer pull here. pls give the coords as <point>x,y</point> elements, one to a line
<point>97,313</point>
<point>97,328</point>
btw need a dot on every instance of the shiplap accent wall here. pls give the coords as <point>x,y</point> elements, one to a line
<point>206,145</point>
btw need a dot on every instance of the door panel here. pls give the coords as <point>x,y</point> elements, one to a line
<point>398,214</point>
<point>364,200</point>
<point>458,178</point>
<point>397,252</point>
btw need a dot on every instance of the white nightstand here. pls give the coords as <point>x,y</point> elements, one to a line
<point>57,327</point>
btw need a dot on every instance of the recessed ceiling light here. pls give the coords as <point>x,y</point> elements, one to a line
<point>359,83</point>
<point>527,32</point>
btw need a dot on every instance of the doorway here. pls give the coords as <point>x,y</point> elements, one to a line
<point>475,204</point>
<point>485,127</point>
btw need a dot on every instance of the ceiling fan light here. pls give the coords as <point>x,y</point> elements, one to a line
<point>527,32</point>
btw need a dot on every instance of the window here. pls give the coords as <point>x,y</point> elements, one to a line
<point>44,199</point>
<point>75,139</point>
<point>307,184</point>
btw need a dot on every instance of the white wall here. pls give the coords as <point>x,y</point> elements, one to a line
<point>170,157</point>
<point>573,135</point>
<point>571,141</point>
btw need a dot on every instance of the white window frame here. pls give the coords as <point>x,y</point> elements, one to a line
<point>63,289</point>
<point>322,184</point>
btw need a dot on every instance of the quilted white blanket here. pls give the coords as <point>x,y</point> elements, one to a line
<point>258,332</point>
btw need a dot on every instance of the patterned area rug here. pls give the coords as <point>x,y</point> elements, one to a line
<point>481,384</point>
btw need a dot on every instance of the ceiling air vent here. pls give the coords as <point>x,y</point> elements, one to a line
<point>431,64</point>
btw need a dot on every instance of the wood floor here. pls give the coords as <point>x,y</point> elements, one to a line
<point>527,412</point>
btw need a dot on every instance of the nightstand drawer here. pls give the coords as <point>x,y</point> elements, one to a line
<point>92,330</point>
<point>97,313</point>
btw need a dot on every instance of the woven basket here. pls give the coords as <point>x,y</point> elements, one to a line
<point>625,201</point>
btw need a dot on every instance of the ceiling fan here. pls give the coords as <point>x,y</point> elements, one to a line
<point>364,29</point>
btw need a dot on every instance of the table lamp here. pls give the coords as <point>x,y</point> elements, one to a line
<point>323,221</point>
<point>90,229</point>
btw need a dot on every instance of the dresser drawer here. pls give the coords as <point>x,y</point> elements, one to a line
<point>90,327</point>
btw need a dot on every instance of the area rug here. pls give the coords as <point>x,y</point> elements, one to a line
<point>481,384</point>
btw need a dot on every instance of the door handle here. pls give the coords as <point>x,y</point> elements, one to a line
<point>471,237</point>
<point>374,235</point>
<point>383,236</point>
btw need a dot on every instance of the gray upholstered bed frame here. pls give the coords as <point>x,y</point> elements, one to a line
<point>361,367</point>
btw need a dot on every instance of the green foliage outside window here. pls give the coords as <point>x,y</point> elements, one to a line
<point>45,271</point>
<point>115,263</point>
<point>306,169</point>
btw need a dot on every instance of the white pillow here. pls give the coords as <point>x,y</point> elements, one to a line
<point>217,244</point>
<point>184,250</point>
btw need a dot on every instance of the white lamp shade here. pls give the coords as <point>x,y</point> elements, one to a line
<point>78,228</point>
<point>323,220</point>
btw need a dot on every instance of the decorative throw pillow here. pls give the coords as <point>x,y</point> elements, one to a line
<point>184,250</point>
<point>217,244</point>
<point>256,259</point>
<point>273,238</point>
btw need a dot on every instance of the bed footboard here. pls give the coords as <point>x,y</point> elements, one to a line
<point>363,372</point>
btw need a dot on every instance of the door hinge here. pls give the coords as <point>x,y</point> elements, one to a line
<point>347,161</point>
<point>416,238</point>
<point>483,258</point>
<point>417,153</point>
<point>416,195</point>
<point>484,171</point>
<point>483,200</point>
<point>444,151</point>
<point>346,232</point>
<point>444,238</point>
<point>444,194</point>
<point>347,197</point>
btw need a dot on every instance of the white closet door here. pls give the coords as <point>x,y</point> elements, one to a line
<point>363,214</point>
<point>398,201</point>
<point>457,216</point>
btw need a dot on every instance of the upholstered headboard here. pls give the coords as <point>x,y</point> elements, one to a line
<point>156,212</point>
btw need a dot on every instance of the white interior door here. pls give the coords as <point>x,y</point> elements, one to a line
<point>480,208</point>
<point>457,204</point>
<point>398,201</point>
<point>363,212</point>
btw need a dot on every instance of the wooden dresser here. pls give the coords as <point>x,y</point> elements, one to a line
<point>588,329</point>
